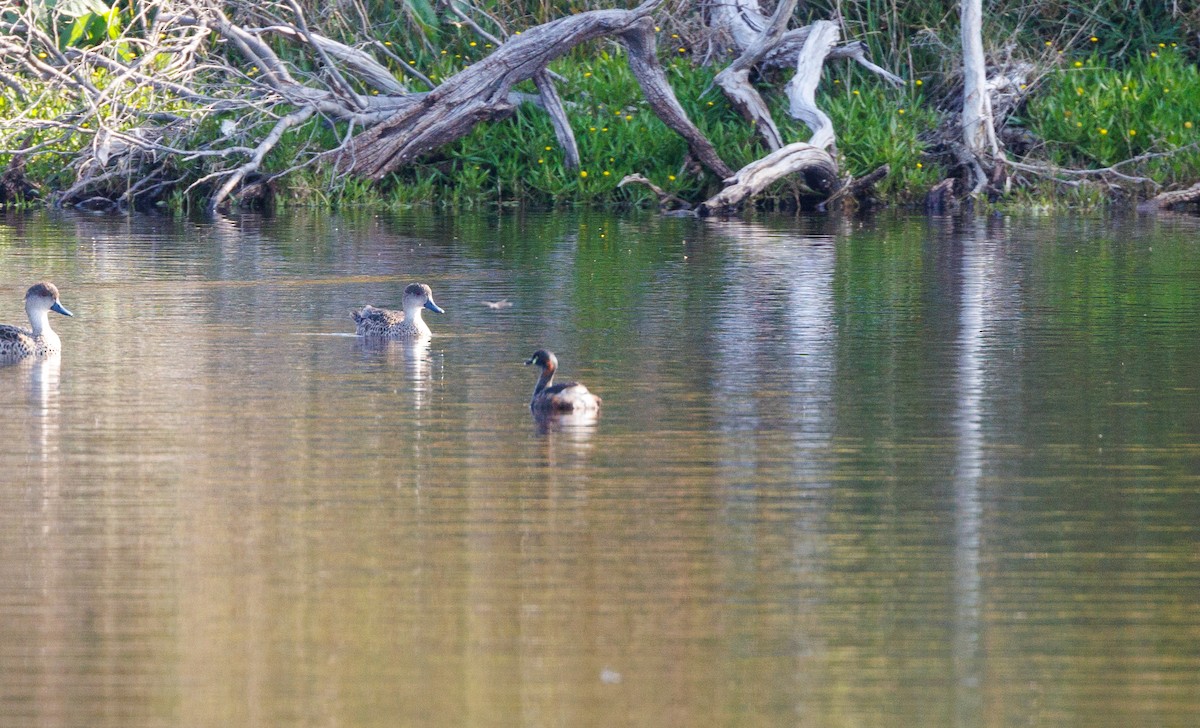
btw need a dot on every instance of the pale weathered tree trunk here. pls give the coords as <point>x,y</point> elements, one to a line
<point>978,126</point>
<point>766,43</point>
<point>482,93</point>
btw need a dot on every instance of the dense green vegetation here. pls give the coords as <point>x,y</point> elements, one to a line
<point>1107,84</point>
<point>1094,113</point>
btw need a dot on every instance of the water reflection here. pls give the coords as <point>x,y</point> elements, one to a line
<point>575,426</point>
<point>41,417</point>
<point>852,471</point>
<point>411,356</point>
<point>968,471</point>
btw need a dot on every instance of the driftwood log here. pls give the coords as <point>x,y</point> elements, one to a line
<point>481,93</point>
<point>386,122</point>
<point>1172,199</point>
<point>766,43</point>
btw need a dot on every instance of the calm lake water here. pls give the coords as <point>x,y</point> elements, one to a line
<point>885,472</point>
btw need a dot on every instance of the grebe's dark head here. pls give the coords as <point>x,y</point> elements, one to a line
<point>543,359</point>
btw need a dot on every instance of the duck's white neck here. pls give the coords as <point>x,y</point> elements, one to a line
<point>412,315</point>
<point>39,322</point>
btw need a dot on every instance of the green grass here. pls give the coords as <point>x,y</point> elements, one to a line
<point>1094,114</point>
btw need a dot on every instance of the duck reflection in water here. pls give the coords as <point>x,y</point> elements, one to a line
<point>413,355</point>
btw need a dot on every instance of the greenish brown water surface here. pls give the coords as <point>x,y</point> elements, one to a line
<point>899,471</point>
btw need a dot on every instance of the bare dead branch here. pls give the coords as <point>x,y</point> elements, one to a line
<point>266,145</point>
<point>1172,199</point>
<point>553,105</point>
<point>801,90</point>
<point>481,92</point>
<point>815,165</point>
<point>665,199</point>
<point>734,79</point>
<point>365,68</point>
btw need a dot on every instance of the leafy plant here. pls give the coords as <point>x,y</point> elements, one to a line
<point>1094,114</point>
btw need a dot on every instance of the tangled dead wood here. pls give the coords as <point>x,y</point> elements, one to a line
<point>482,93</point>
<point>133,150</point>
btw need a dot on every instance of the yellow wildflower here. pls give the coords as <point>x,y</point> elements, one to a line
<point>548,148</point>
<point>920,82</point>
<point>1153,55</point>
<point>899,111</point>
<point>472,44</point>
<point>855,92</point>
<point>1187,125</point>
<point>540,161</point>
<point>587,74</point>
<point>387,42</point>
<point>710,103</point>
<point>683,50</point>
<point>1133,132</point>
<point>607,173</point>
<point>629,117</point>
<point>1094,39</point>
<point>671,177</point>
<point>920,166</point>
<point>1103,131</point>
<point>583,173</point>
<point>1079,64</point>
<point>604,129</point>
